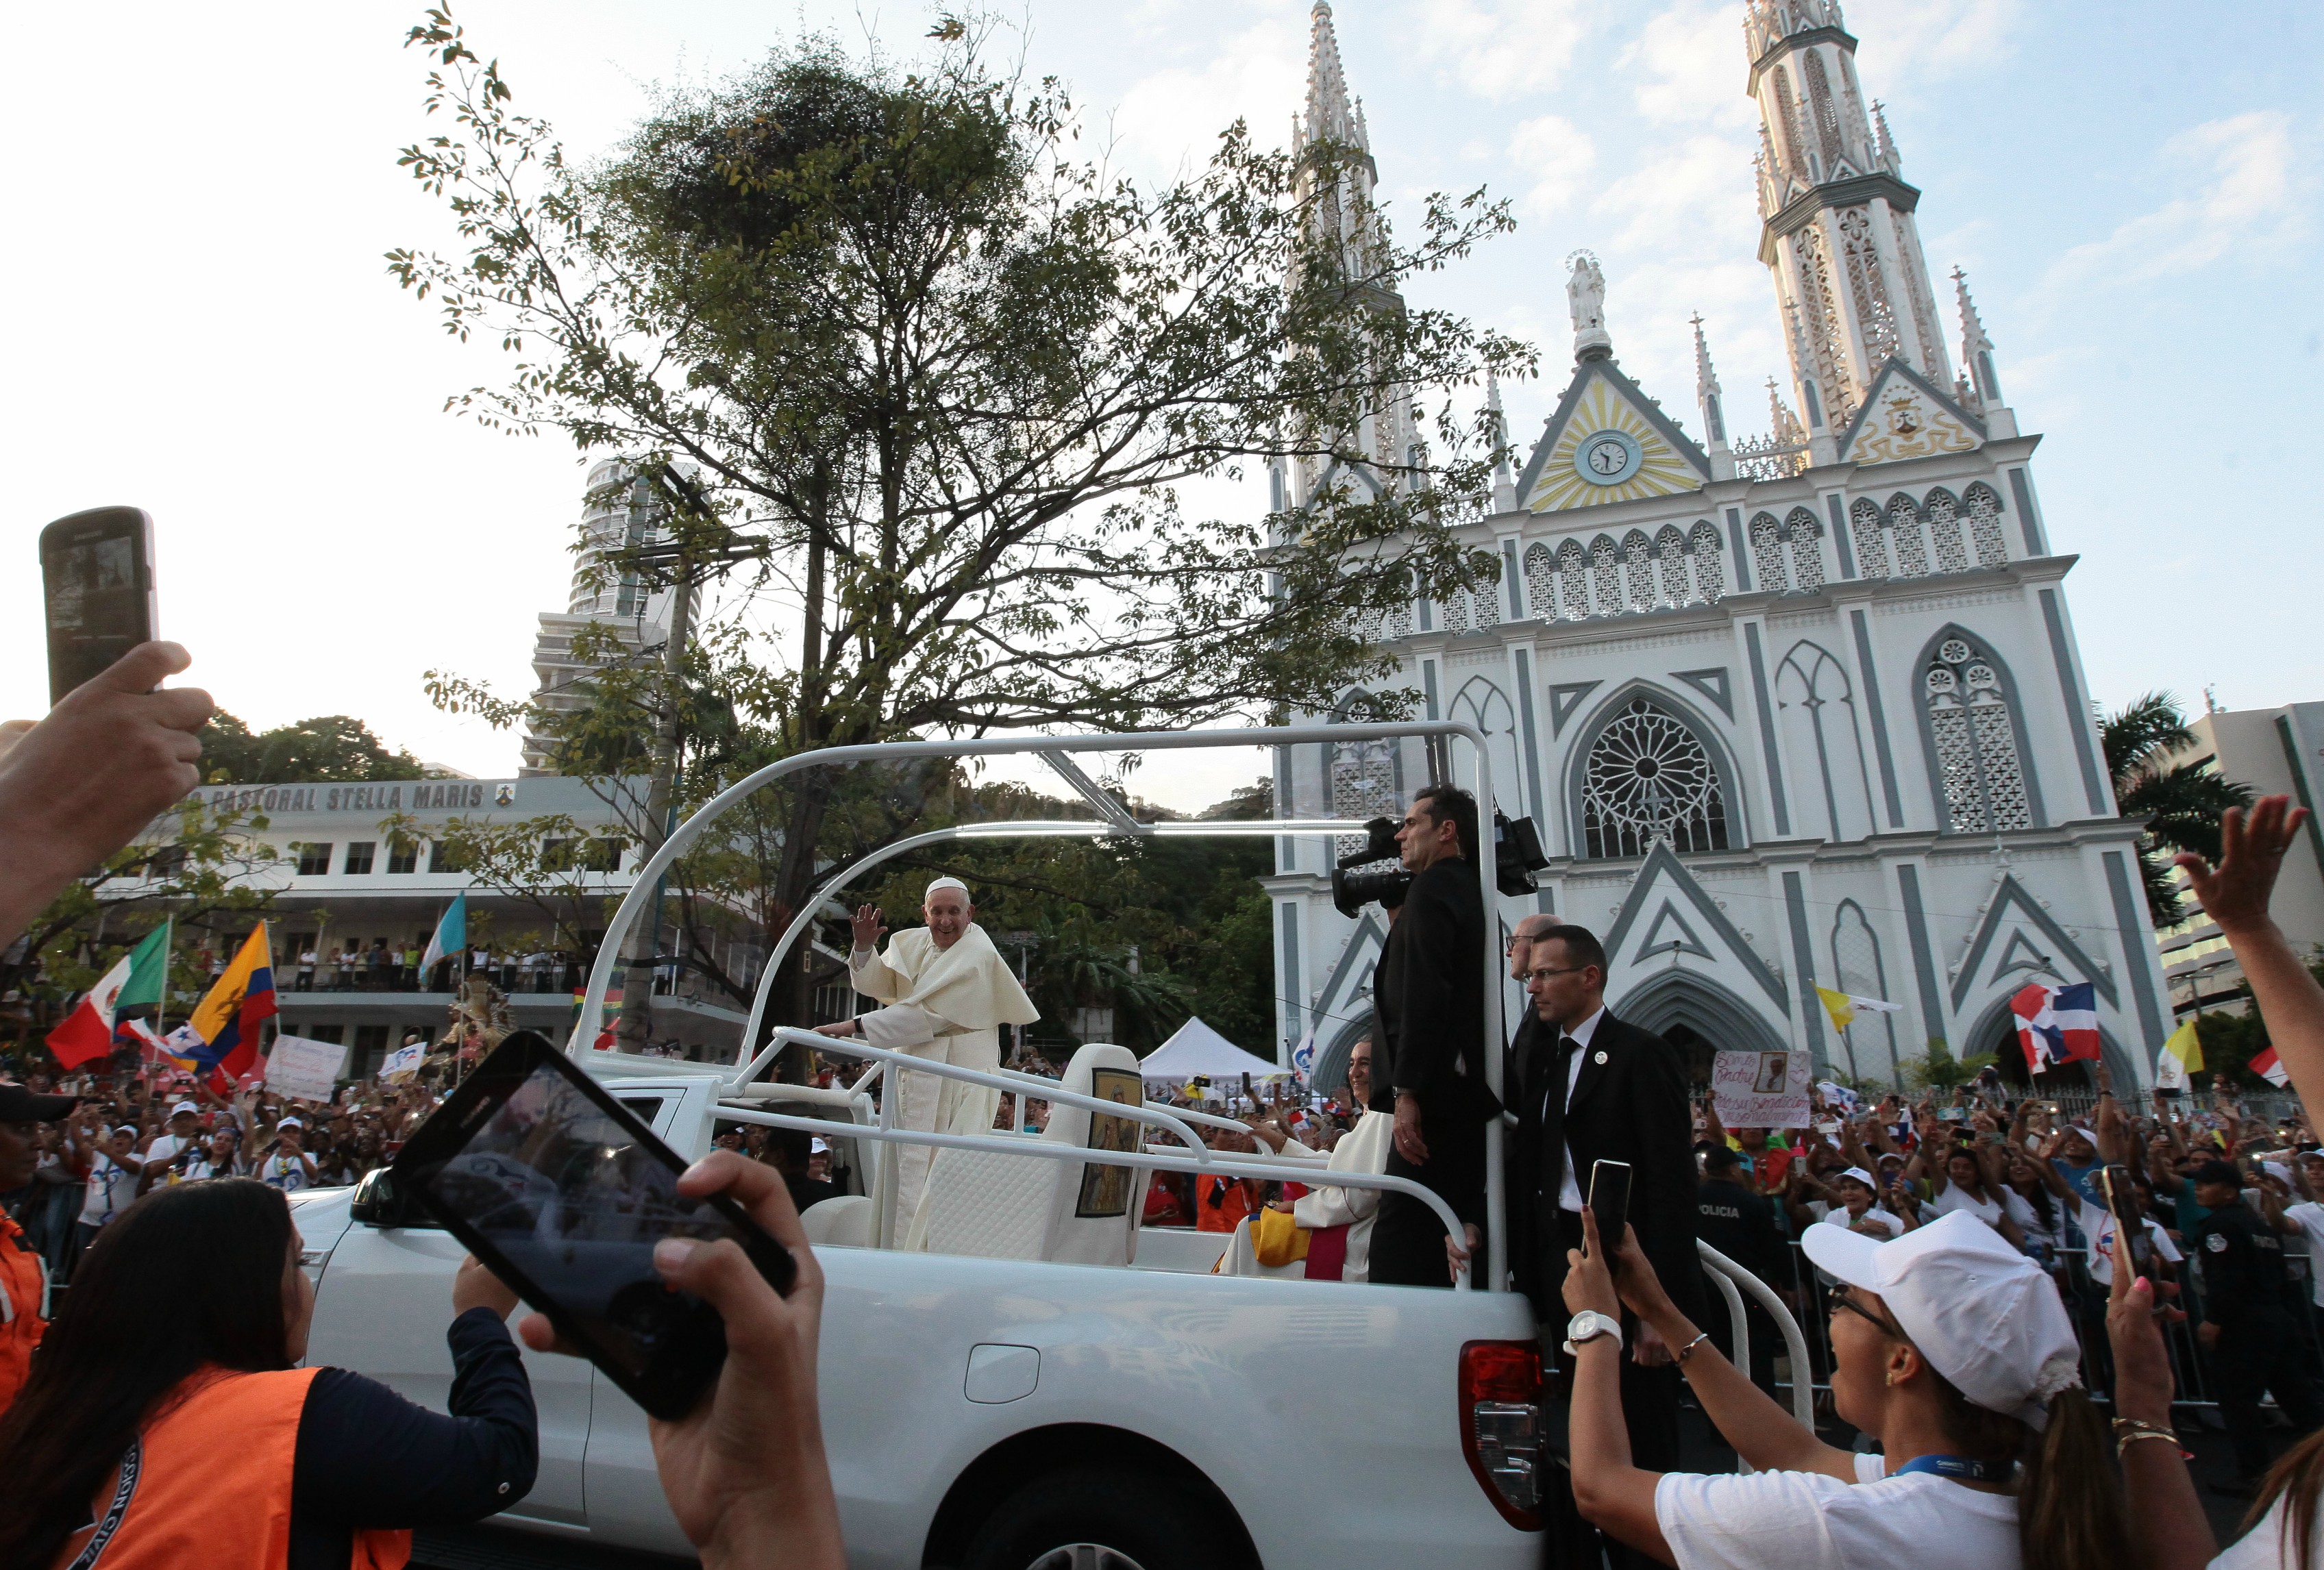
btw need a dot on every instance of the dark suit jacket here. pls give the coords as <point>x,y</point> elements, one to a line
<point>1632,1107</point>
<point>1429,993</point>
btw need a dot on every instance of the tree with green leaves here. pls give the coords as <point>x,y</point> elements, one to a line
<point>2181,803</point>
<point>202,867</point>
<point>940,382</point>
<point>330,747</point>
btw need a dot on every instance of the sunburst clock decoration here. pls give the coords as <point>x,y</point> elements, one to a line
<point>1609,453</point>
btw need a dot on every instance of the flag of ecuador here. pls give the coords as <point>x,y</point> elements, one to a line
<point>227,1019</point>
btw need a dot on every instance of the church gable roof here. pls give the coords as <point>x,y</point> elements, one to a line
<point>1671,914</point>
<point>1608,442</point>
<point>1905,416</point>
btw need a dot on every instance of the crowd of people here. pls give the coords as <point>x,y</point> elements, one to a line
<point>383,967</point>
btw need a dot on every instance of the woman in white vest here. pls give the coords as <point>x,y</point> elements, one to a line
<point>947,992</point>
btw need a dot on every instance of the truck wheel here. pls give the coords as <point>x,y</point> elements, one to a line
<point>1093,1519</point>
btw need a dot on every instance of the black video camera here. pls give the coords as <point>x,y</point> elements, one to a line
<point>1517,856</point>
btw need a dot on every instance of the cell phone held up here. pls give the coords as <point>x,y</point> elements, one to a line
<point>563,1193</point>
<point>2129,1224</point>
<point>96,591</point>
<point>1609,1200</point>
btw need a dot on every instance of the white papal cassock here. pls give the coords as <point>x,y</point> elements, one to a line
<point>947,1005</point>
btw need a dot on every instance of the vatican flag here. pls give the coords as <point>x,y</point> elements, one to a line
<point>1844,1006</point>
<point>2181,1056</point>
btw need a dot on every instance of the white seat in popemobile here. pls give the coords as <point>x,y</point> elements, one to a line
<point>997,1205</point>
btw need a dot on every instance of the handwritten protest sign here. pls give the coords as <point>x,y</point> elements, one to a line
<point>303,1069</point>
<point>1761,1089</point>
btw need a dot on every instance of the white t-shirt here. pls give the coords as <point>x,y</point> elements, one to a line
<point>165,1146</point>
<point>111,1187</point>
<point>288,1173</point>
<point>2309,1215</point>
<point>1989,1210</point>
<point>1804,1520</point>
<point>1838,1216</point>
<point>2264,1547</point>
<point>2098,1225</point>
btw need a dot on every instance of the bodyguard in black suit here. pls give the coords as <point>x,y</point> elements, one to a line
<point>1429,1063</point>
<point>1585,1087</point>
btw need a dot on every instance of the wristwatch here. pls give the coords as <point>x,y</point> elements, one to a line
<point>1588,1325</point>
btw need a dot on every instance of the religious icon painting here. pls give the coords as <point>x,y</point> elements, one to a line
<point>1105,1191</point>
<point>1773,1069</point>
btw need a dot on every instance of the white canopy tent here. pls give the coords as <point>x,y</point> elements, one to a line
<point>1195,1049</point>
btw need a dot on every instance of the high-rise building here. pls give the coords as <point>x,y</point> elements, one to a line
<point>619,513</point>
<point>2275,752</point>
<point>1794,711</point>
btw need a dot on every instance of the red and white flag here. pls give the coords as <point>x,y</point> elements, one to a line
<point>87,1032</point>
<point>2270,1068</point>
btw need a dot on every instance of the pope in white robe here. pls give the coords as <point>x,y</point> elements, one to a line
<point>947,992</point>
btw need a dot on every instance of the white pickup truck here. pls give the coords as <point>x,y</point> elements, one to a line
<point>992,1411</point>
<point>1047,1386</point>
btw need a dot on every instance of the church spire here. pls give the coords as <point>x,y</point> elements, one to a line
<point>1839,232</point>
<point>1332,116</point>
<point>1977,360</point>
<point>1714,415</point>
<point>1505,481</point>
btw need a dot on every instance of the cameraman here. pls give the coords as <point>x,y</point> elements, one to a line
<point>1429,991</point>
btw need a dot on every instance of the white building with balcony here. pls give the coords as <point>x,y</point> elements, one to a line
<point>1798,711</point>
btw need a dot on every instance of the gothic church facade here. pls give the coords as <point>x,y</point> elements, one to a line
<point>1793,712</point>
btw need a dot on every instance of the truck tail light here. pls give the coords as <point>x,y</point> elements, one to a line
<point>1500,1426</point>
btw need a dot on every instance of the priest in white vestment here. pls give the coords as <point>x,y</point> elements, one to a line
<point>947,992</point>
<point>1362,1149</point>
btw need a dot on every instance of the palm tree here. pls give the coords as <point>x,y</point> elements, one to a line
<point>2181,803</point>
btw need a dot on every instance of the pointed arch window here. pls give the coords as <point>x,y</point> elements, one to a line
<point>1541,583</point>
<point>1361,774</point>
<point>1710,572</point>
<point>1670,555</point>
<point>1768,554</point>
<point>1980,773</point>
<point>1944,529</point>
<point>1821,109</point>
<point>1648,777</point>
<point>1871,543</point>
<point>1574,580</point>
<point>1805,533</point>
<point>1639,571</point>
<point>1904,524</point>
<point>1605,576</point>
<point>1856,961</point>
<point>1984,508</point>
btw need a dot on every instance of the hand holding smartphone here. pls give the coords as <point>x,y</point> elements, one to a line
<point>1609,1199</point>
<point>2131,1239</point>
<point>565,1194</point>
<point>96,583</point>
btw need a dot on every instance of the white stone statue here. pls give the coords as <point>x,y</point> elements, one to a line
<point>1585,294</point>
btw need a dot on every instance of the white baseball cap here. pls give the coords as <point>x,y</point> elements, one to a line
<point>185,1106</point>
<point>290,1123</point>
<point>1861,1176</point>
<point>1984,1315</point>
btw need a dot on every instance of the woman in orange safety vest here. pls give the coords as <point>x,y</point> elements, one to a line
<point>23,1277</point>
<point>166,1422</point>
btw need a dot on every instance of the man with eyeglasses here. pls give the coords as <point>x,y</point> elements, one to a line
<point>1602,1090</point>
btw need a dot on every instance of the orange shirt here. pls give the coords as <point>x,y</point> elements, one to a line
<point>21,1280</point>
<point>170,1505</point>
<point>1222,1202</point>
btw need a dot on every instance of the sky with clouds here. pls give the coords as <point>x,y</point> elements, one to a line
<point>200,321</point>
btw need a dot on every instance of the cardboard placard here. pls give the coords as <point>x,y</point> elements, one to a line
<point>1762,1089</point>
<point>306,1071</point>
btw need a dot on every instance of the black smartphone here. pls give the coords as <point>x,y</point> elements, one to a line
<point>97,583</point>
<point>2129,1224</point>
<point>1609,1199</point>
<point>563,1193</point>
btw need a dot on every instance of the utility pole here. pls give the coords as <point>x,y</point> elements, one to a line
<point>645,937</point>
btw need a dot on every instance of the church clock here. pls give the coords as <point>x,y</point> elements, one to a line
<point>1607,457</point>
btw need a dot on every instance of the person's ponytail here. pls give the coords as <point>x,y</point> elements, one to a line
<point>2070,1511</point>
<point>2297,1479</point>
